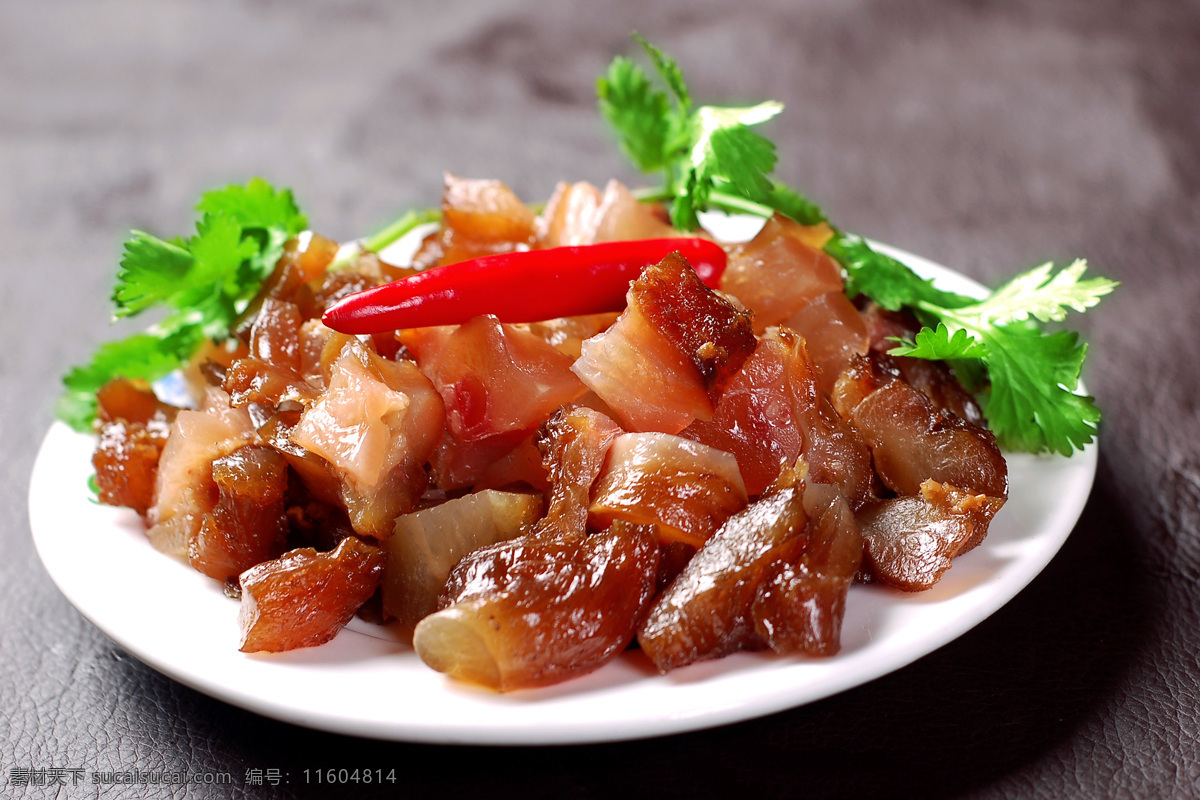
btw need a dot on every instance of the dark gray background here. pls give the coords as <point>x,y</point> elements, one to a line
<point>989,136</point>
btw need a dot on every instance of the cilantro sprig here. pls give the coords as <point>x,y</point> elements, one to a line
<point>204,282</point>
<point>1031,402</point>
<point>1026,377</point>
<point>708,155</point>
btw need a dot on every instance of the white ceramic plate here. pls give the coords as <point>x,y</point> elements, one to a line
<point>368,684</point>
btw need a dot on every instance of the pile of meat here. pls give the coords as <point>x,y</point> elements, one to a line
<point>707,471</point>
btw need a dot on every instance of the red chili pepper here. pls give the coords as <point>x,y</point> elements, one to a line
<point>524,286</point>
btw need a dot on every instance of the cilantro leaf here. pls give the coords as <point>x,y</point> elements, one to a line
<point>1039,295</point>
<point>669,71</point>
<point>205,282</point>
<point>257,205</point>
<point>637,112</point>
<point>884,279</point>
<point>700,151</point>
<point>790,203</point>
<point>150,272</point>
<point>938,344</point>
<point>1032,404</point>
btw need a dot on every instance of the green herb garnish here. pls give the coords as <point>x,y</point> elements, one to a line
<point>204,282</point>
<point>708,155</point>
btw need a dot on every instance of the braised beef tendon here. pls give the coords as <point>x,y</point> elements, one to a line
<point>540,609</point>
<point>426,545</point>
<point>248,522</point>
<point>574,443</point>
<point>911,541</point>
<point>303,598</point>
<point>799,606</point>
<point>683,488</point>
<point>706,612</point>
<point>133,430</point>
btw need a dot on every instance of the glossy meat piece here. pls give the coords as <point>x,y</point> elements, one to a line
<point>376,424</point>
<point>428,543</point>
<point>132,425</point>
<point>493,378</point>
<point>573,444</point>
<point>622,217</point>
<point>126,462</point>
<point>184,489</point>
<point>570,216</point>
<point>854,383</point>
<point>706,612</point>
<point>670,353</point>
<point>833,332</point>
<point>538,610</point>
<point>780,270</point>
<point>910,541</point>
<point>303,598</point>
<point>800,607</point>
<point>753,419</point>
<point>132,401</point>
<point>714,334</point>
<point>567,334</point>
<point>638,373</point>
<point>254,381</point>
<point>683,487</point>
<point>275,334</point>
<point>481,217</point>
<point>455,464</point>
<point>520,466</point>
<point>911,441</point>
<point>833,449</point>
<point>248,523</point>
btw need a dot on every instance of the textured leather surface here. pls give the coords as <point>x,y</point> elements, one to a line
<point>989,136</point>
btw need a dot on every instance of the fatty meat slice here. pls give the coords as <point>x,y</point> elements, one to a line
<point>685,488</point>
<point>494,379</point>
<point>671,352</point>
<point>780,270</point>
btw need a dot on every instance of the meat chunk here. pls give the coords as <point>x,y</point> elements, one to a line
<point>780,270</point>
<point>376,425</point>
<point>910,541</point>
<point>494,379</point>
<point>537,610</point>
<point>706,612</point>
<point>799,608</point>
<point>574,444</point>
<point>670,354</point>
<point>684,488</point>
<point>248,522</point>
<point>912,441</point>
<point>184,488</point>
<point>303,598</point>
<point>428,543</point>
